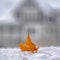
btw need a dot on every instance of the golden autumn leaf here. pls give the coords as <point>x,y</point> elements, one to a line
<point>28,45</point>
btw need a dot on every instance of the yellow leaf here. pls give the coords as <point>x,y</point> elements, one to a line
<point>28,45</point>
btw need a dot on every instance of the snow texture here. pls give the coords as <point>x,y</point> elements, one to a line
<point>44,53</point>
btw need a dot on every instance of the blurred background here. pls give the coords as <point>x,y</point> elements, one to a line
<point>41,18</point>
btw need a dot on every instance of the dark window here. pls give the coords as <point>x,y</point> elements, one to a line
<point>31,30</point>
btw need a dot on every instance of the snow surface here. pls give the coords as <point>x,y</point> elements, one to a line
<point>44,53</point>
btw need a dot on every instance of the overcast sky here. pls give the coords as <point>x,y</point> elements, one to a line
<point>6,6</point>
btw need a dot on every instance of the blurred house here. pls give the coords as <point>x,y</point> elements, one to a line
<point>30,16</point>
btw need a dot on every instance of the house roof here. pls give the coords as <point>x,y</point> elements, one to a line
<point>27,11</point>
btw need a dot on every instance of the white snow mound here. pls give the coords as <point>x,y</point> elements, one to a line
<point>44,53</point>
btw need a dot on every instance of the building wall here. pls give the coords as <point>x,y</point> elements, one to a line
<point>44,29</point>
<point>43,35</point>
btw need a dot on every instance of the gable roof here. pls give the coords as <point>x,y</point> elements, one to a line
<point>27,6</point>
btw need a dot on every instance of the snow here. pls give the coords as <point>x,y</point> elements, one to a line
<point>44,53</point>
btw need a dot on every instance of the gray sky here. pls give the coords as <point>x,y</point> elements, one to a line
<point>6,6</point>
